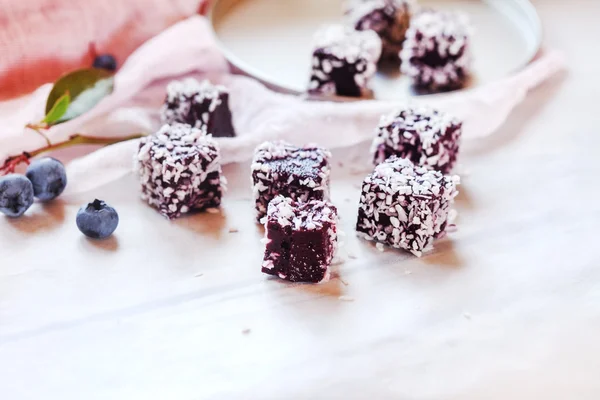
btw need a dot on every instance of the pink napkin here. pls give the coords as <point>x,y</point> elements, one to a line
<point>42,39</point>
<point>188,48</point>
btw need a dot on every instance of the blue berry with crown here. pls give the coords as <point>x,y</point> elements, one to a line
<point>97,219</point>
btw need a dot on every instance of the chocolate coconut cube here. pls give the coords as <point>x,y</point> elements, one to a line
<point>388,18</point>
<point>199,104</point>
<point>436,54</point>
<point>179,170</point>
<point>427,137</point>
<point>301,239</point>
<point>344,61</point>
<point>404,206</point>
<point>300,173</point>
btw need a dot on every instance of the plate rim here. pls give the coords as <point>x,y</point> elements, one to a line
<point>526,6</point>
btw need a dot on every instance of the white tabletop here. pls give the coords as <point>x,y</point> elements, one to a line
<point>507,308</point>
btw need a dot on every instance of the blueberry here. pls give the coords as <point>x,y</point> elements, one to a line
<point>16,195</point>
<point>97,219</point>
<point>105,61</point>
<point>48,177</point>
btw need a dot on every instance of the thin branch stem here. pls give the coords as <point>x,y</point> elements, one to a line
<point>38,128</point>
<point>12,162</point>
<point>78,139</point>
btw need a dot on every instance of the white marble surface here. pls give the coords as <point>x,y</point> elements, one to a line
<point>507,308</point>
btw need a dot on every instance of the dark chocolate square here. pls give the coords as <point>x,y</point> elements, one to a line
<point>179,170</point>
<point>404,206</point>
<point>301,240</point>
<point>427,137</point>
<point>280,168</point>
<point>436,53</point>
<point>344,61</point>
<point>388,18</point>
<point>199,104</point>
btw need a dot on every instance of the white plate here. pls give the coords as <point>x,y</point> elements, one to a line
<point>271,39</point>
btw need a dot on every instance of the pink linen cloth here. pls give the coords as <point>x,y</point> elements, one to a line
<point>42,39</point>
<point>259,114</point>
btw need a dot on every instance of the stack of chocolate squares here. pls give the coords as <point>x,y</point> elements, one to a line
<point>291,193</point>
<point>406,201</point>
<point>179,167</point>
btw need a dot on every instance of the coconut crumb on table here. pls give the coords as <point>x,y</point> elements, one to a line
<point>451,228</point>
<point>358,171</point>
<point>346,298</point>
<point>338,260</point>
<point>452,215</point>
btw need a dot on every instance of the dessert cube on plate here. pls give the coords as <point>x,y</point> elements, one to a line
<point>427,137</point>
<point>404,206</point>
<point>301,239</point>
<point>388,18</point>
<point>344,61</point>
<point>199,104</point>
<point>280,168</point>
<point>179,170</point>
<point>436,54</point>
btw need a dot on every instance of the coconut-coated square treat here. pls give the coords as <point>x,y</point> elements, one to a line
<point>388,18</point>
<point>436,54</point>
<point>199,104</point>
<point>179,170</point>
<point>344,61</point>
<point>280,168</point>
<point>301,239</point>
<point>427,137</point>
<point>404,206</point>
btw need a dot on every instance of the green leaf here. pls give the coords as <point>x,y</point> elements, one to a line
<point>86,88</point>
<point>58,109</point>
